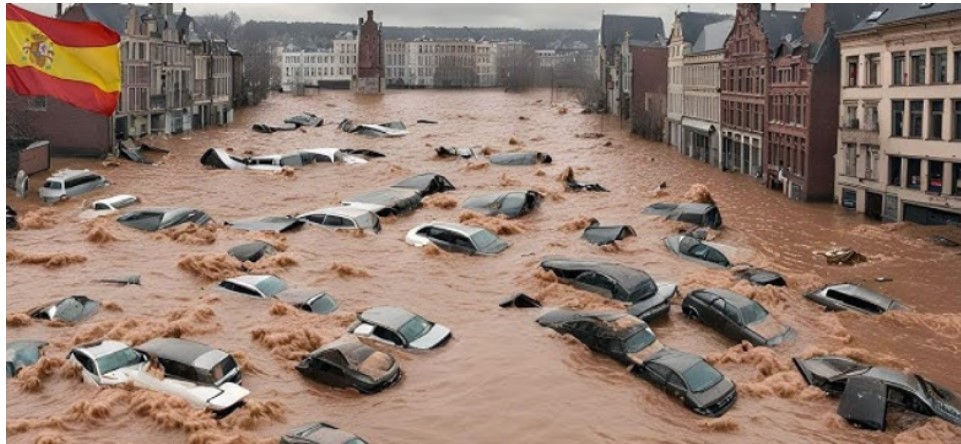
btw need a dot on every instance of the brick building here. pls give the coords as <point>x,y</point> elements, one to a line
<point>744,83</point>
<point>370,78</point>
<point>803,93</point>
<point>648,93</point>
<point>615,29</point>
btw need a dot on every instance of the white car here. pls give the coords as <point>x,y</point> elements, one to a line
<point>399,327</point>
<point>456,238</point>
<point>256,285</point>
<point>333,155</point>
<point>109,205</point>
<point>343,218</point>
<point>113,362</point>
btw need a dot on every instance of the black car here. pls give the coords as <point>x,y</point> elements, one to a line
<point>598,234</point>
<point>692,249</point>
<point>866,392</point>
<point>153,219</point>
<point>735,316</point>
<point>252,251</point>
<point>320,433</point>
<point>682,375</point>
<point>393,201</point>
<point>511,203</point>
<point>704,215</point>
<point>841,297</point>
<point>426,184</point>
<point>760,276</point>
<point>618,335</point>
<point>648,299</point>
<point>348,363</point>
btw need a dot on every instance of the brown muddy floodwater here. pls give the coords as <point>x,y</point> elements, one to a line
<point>503,378</point>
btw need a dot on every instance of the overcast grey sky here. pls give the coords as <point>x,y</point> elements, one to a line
<point>526,15</point>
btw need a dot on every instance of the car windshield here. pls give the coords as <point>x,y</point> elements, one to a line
<point>415,328</point>
<point>365,220</point>
<point>752,313</point>
<point>118,359</point>
<point>701,376</point>
<point>483,238</point>
<point>53,185</point>
<point>323,304</point>
<point>271,285</point>
<point>640,340</point>
<point>223,368</point>
<point>941,394</point>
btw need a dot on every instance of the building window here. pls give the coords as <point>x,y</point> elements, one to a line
<point>871,162</point>
<point>850,159</point>
<point>935,176</point>
<point>918,63</point>
<point>957,119</point>
<point>957,66</point>
<point>899,75</point>
<point>37,104</point>
<point>874,66</point>
<point>852,71</point>
<point>914,174</point>
<point>850,116</point>
<point>897,118</point>
<point>937,119</point>
<point>894,171</point>
<point>870,117</point>
<point>956,174</point>
<point>917,111</point>
<point>939,64</point>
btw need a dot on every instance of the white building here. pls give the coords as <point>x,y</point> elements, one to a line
<point>486,64</point>
<point>395,61</point>
<point>701,76</point>
<point>330,67</point>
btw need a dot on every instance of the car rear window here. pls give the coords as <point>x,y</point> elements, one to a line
<point>639,341</point>
<point>854,301</point>
<point>271,286</point>
<point>53,185</point>
<point>323,304</point>
<point>483,238</point>
<point>219,371</point>
<point>701,376</point>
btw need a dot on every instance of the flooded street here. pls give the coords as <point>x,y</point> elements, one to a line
<point>502,378</point>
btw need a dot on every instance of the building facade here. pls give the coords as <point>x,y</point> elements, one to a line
<point>744,85</point>
<point>701,77</point>
<point>395,60</point>
<point>370,78</point>
<point>328,68</point>
<point>615,31</point>
<point>899,147</point>
<point>648,80</point>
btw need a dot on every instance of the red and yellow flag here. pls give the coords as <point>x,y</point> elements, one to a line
<point>76,62</point>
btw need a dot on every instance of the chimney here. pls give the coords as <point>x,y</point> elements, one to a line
<point>773,7</point>
<point>370,15</point>
<point>59,10</point>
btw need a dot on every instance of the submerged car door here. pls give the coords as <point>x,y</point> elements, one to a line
<point>657,374</point>
<point>731,322</point>
<point>595,283</point>
<point>675,385</point>
<point>442,238</point>
<point>331,368</point>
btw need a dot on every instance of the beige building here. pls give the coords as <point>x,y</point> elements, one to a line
<point>899,147</point>
<point>701,77</point>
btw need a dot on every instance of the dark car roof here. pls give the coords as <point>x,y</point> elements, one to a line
<point>386,196</point>
<point>321,433</point>
<point>391,317</point>
<point>675,359</point>
<point>666,208</point>
<point>626,276</point>
<point>176,349</point>
<point>864,294</point>
<point>353,351</point>
<point>729,296</point>
<point>601,235</point>
<point>608,318</point>
<point>895,377</point>
<point>426,183</point>
<point>255,249</point>
<point>151,221</point>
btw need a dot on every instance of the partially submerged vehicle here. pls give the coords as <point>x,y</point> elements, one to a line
<point>257,285</point>
<point>760,276</point>
<point>648,299</point>
<point>221,159</point>
<point>68,183</point>
<point>389,129</point>
<point>154,219</point>
<point>521,158</point>
<point>465,153</point>
<point>598,234</point>
<point>278,224</point>
<point>105,363</point>
<point>426,184</point>
<point>693,249</point>
<point>217,158</point>
<point>22,354</point>
<point>520,300</point>
<point>510,203</point>
<point>685,376</point>
<point>109,205</point>
<point>71,309</point>
<point>839,297</point>
<point>348,363</point>
<point>336,155</point>
<point>867,392</point>
<point>293,123</point>
<point>343,218</point>
<point>193,362</point>
<point>399,327</point>
<point>11,218</point>
<point>618,335</point>
<point>735,316</point>
<point>252,251</point>
<point>700,214</point>
<point>310,300</point>
<point>135,152</point>
<point>387,201</point>
<point>320,433</point>
<point>457,238</point>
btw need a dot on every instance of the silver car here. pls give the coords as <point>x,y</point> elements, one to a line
<point>399,327</point>
<point>343,218</point>
<point>69,183</point>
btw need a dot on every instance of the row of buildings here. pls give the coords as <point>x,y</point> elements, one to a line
<point>175,77</point>
<point>855,103</point>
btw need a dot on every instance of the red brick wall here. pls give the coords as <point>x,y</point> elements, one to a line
<point>370,59</point>
<point>813,23</point>
<point>71,131</point>
<point>649,86</point>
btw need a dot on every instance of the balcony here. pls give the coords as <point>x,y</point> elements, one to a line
<point>856,131</point>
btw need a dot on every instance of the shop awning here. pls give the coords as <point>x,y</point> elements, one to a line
<point>698,125</point>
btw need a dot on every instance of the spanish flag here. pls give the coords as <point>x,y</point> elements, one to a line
<point>76,62</point>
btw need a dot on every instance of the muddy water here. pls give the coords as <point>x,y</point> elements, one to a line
<point>502,378</point>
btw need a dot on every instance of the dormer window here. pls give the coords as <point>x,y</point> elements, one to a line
<point>876,15</point>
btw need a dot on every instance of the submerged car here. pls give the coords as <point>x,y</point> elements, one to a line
<point>618,335</point>
<point>11,218</point>
<point>511,203</point>
<point>277,224</point>
<point>387,201</point>
<point>320,433</point>
<point>154,219</point>
<point>685,376</point>
<point>265,286</point>
<point>700,214</point>
<point>648,299</point>
<point>841,297</point>
<point>866,392</point>
<point>694,250</point>
<point>105,363</point>
<point>760,276</point>
<point>426,184</point>
<point>68,183</point>
<point>348,363</point>
<point>108,206</point>
<point>456,238</point>
<point>22,354</point>
<point>735,316</point>
<point>389,129</point>
<point>521,158</point>
<point>71,309</point>
<point>399,327</point>
<point>598,234</point>
<point>192,362</point>
<point>252,251</point>
<point>343,218</point>
<point>310,300</point>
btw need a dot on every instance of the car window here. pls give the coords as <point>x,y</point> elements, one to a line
<point>483,238</point>
<point>85,362</point>
<point>699,251</point>
<point>179,370</point>
<point>415,328</point>
<point>101,206</point>
<point>701,376</point>
<point>461,240</point>
<point>852,301</point>
<point>426,231</point>
<point>335,357</point>
<point>323,304</point>
<point>658,370</point>
<point>596,280</point>
<point>315,218</point>
<point>732,313</point>
<point>513,201</point>
<point>72,182</point>
<point>715,256</point>
<point>271,285</point>
<point>639,340</point>
<point>53,185</point>
<point>118,359</point>
<point>388,335</point>
<point>753,313</point>
<point>691,218</point>
<point>439,234</point>
<point>223,368</point>
<point>334,221</point>
<point>675,381</point>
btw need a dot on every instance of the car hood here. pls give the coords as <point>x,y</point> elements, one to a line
<point>437,335</point>
<point>494,247</point>
<point>819,371</point>
<point>771,330</point>
<point>713,394</point>
<point>665,291</point>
